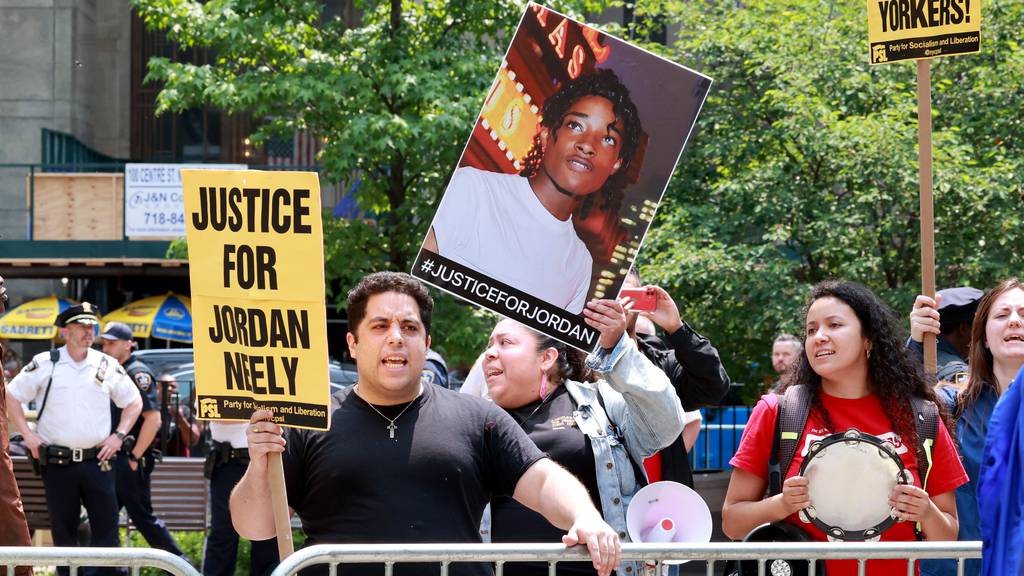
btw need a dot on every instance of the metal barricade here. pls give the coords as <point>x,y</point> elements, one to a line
<point>713,555</point>
<point>134,558</point>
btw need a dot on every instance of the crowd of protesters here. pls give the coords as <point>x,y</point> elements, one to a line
<point>555,441</point>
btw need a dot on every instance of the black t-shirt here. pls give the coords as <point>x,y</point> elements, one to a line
<point>550,424</point>
<point>450,455</point>
<point>143,378</point>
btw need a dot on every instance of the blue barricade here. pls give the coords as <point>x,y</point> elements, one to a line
<point>719,437</point>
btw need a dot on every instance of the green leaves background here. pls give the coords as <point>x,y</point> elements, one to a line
<point>803,165</point>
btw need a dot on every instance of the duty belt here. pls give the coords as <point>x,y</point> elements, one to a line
<point>222,453</point>
<point>62,455</point>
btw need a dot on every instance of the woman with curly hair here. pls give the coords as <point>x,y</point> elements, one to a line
<point>598,425</point>
<point>996,355</point>
<point>859,376</point>
<point>518,229</point>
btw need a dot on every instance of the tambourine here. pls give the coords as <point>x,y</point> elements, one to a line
<point>850,476</point>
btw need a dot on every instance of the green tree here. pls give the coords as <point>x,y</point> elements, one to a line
<point>394,96</point>
<point>804,167</point>
<point>389,96</point>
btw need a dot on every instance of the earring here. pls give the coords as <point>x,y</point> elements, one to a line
<point>543,385</point>
<point>869,353</point>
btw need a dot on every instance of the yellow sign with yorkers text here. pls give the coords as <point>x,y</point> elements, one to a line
<point>255,244</point>
<point>922,29</point>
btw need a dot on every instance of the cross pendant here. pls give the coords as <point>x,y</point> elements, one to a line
<point>391,430</point>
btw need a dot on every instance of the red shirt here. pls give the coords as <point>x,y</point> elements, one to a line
<point>653,467</point>
<point>866,415</point>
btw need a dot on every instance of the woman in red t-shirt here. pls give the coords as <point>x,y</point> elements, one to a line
<point>856,367</point>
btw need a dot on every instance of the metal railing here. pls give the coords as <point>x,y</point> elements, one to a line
<point>74,558</point>
<point>710,554</point>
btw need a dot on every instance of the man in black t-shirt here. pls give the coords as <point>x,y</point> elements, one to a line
<point>404,462</point>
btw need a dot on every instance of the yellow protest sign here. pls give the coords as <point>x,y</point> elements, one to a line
<point>921,29</point>
<point>255,244</point>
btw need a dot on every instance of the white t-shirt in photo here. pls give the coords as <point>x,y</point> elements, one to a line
<point>494,223</point>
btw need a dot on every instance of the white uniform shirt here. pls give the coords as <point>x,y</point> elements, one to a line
<point>495,224</point>
<point>231,432</point>
<point>77,413</point>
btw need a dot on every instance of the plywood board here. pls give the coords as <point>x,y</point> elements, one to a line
<point>77,206</point>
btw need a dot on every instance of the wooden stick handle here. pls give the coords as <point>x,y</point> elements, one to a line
<point>924,144</point>
<point>279,502</point>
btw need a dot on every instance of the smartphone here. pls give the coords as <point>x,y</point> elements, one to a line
<point>644,299</point>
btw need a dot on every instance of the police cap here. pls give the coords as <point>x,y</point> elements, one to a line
<point>83,313</point>
<point>116,331</point>
<point>958,306</point>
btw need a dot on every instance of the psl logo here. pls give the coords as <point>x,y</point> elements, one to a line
<point>208,408</point>
<point>878,54</point>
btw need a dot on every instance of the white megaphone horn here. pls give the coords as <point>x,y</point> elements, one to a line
<point>665,512</point>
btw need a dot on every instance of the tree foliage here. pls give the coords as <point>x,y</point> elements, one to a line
<point>805,167</point>
<point>394,95</point>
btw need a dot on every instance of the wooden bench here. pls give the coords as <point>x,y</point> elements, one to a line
<point>33,495</point>
<point>179,493</point>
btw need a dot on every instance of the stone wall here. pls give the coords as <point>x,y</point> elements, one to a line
<point>64,65</point>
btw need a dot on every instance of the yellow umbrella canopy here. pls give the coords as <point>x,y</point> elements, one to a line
<point>168,316</point>
<point>33,320</point>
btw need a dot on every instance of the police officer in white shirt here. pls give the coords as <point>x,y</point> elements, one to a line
<point>73,387</point>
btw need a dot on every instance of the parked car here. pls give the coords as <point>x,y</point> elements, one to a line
<point>341,375</point>
<point>164,360</point>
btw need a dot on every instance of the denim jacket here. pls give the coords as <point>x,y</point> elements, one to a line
<point>638,413</point>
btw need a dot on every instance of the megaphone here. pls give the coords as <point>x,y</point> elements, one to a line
<point>668,512</point>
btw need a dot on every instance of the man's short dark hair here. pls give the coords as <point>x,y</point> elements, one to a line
<point>606,84</point>
<point>380,282</point>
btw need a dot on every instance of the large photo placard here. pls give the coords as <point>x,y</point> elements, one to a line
<point>561,177</point>
<point>256,262</point>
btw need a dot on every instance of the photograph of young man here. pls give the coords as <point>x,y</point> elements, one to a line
<point>518,228</point>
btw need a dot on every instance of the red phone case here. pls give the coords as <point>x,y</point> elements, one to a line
<point>644,300</point>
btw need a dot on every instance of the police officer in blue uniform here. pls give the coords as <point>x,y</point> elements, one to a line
<point>951,323</point>
<point>134,463</point>
<point>435,370</point>
<point>225,465</point>
<point>73,387</point>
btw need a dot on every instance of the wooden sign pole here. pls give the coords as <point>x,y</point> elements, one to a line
<point>279,502</point>
<point>924,142</point>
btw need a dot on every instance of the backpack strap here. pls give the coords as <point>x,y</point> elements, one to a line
<point>926,425</point>
<point>794,408</point>
<point>774,470</point>
<point>54,357</point>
